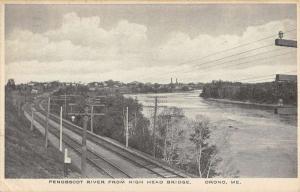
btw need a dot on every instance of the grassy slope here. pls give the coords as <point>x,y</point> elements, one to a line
<point>25,155</point>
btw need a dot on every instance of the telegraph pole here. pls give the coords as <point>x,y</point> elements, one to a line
<point>60,130</point>
<point>84,148</point>
<point>32,120</point>
<point>66,104</point>
<point>165,141</point>
<point>135,113</point>
<point>47,124</point>
<point>94,102</point>
<point>154,126</point>
<point>92,118</point>
<point>135,119</point>
<point>85,115</point>
<point>154,119</point>
<point>127,134</point>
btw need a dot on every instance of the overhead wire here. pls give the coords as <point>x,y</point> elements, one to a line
<point>247,62</point>
<point>229,49</point>
<point>232,55</point>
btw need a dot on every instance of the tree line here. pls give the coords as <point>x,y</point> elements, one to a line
<point>268,92</point>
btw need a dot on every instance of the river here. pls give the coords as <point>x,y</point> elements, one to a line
<point>260,143</point>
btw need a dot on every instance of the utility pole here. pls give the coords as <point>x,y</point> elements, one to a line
<point>85,115</point>
<point>165,140</point>
<point>92,105</point>
<point>94,102</point>
<point>66,104</point>
<point>84,148</point>
<point>127,122</point>
<point>135,113</point>
<point>32,118</point>
<point>60,130</point>
<point>47,124</point>
<point>92,117</point>
<point>154,126</point>
<point>135,119</point>
<point>154,119</point>
<point>19,106</point>
<point>172,144</point>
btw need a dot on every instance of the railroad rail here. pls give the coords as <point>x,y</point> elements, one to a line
<point>135,157</point>
<point>106,167</point>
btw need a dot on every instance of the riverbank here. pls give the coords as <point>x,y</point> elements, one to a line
<point>245,103</point>
<point>240,102</point>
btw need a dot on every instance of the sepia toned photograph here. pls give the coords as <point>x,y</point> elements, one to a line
<point>167,91</point>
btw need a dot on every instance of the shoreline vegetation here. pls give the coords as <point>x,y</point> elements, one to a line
<point>268,94</point>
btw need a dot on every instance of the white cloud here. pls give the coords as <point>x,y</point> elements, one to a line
<point>82,49</point>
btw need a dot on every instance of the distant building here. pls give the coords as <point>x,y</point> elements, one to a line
<point>34,91</point>
<point>92,88</point>
<point>31,83</point>
<point>289,78</point>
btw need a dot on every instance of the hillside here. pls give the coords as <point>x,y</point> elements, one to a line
<point>25,155</point>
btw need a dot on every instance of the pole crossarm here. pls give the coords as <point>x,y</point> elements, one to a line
<point>82,114</point>
<point>60,99</point>
<point>157,96</point>
<point>96,105</point>
<point>172,115</point>
<point>151,106</point>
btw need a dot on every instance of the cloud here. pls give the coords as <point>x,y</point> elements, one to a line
<point>83,49</point>
<point>182,47</point>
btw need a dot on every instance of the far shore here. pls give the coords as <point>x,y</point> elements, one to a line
<point>246,102</point>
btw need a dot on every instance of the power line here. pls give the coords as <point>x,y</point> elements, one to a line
<point>233,55</point>
<point>264,58</point>
<point>236,54</point>
<point>226,50</point>
<point>274,50</point>
<point>268,57</point>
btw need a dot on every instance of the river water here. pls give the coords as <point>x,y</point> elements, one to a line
<point>260,143</point>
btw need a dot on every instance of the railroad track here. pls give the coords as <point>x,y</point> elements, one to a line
<point>106,167</point>
<point>140,160</point>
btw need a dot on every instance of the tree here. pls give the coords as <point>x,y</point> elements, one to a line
<point>140,137</point>
<point>170,132</point>
<point>205,153</point>
<point>11,84</point>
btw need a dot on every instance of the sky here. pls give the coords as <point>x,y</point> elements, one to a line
<point>148,43</point>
